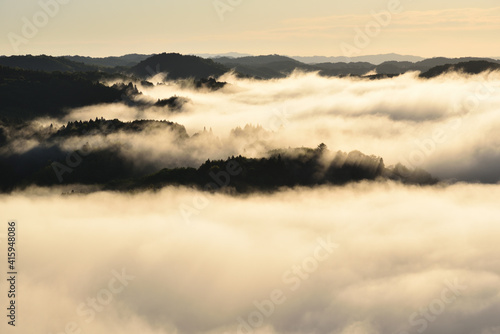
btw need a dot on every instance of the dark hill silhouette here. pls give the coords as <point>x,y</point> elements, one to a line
<point>107,168</point>
<point>372,59</point>
<point>182,66</point>
<point>45,63</point>
<point>470,67</point>
<point>427,64</point>
<point>275,66</point>
<point>178,67</point>
<point>342,69</point>
<point>100,165</point>
<point>258,60</point>
<point>128,60</point>
<point>29,94</point>
<point>284,168</point>
<point>265,67</point>
<point>438,61</point>
<point>110,168</point>
<point>394,67</point>
<point>398,67</point>
<point>106,127</point>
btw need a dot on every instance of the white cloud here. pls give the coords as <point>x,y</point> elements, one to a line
<point>399,247</point>
<point>446,125</point>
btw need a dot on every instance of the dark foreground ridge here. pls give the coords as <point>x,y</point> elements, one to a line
<point>282,169</point>
<point>28,94</point>
<point>109,169</point>
<point>470,67</point>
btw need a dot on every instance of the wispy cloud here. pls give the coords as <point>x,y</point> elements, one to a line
<point>461,19</point>
<point>335,27</point>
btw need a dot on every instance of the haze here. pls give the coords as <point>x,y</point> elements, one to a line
<point>299,28</point>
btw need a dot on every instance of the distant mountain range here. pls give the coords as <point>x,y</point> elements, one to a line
<point>130,60</point>
<point>266,67</point>
<point>227,54</point>
<point>471,67</point>
<point>373,59</point>
<point>275,66</point>
<point>125,61</point>
<point>179,66</point>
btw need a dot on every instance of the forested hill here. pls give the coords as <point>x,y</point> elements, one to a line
<point>46,64</point>
<point>178,66</point>
<point>26,95</point>
<point>110,167</point>
<point>471,67</point>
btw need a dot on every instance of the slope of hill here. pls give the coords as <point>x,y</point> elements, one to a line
<point>227,54</point>
<point>373,59</point>
<point>258,60</point>
<point>395,67</point>
<point>45,63</point>
<point>275,66</point>
<point>266,67</point>
<point>427,64</point>
<point>105,166</point>
<point>128,60</point>
<point>470,67</point>
<point>438,61</point>
<point>106,127</point>
<point>336,69</point>
<point>178,67</point>
<point>28,94</point>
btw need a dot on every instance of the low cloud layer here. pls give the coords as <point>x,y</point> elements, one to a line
<point>447,125</point>
<point>365,258</point>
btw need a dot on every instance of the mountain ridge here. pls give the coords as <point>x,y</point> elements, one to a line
<point>178,66</point>
<point>373,59</point>
<point>127,60</point>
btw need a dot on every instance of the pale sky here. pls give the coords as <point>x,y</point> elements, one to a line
<point>427,28</point>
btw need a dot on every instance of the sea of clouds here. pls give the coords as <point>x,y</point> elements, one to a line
<point>447,125</point>
<point>363,258</point>
<point>366,258</point>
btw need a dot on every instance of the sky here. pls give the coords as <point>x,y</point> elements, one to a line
<point>296,28</point>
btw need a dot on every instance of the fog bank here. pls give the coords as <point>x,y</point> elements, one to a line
<point>386,254</point>
<point>447,125</point>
